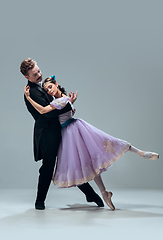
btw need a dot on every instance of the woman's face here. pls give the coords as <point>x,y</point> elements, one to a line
<point>51,89</point>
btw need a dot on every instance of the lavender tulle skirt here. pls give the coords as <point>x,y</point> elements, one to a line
<point>84,153</point>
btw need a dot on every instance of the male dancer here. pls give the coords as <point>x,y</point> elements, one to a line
<point>47,134</point>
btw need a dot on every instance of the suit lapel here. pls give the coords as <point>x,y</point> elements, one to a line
<point>35,86</point>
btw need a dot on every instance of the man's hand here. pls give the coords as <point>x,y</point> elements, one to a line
<point>73,111</point>
<point>73,97</point>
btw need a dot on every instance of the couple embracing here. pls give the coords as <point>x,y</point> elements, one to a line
<point>83,152</point>
<point>47,134</point>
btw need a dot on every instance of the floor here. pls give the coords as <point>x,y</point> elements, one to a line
<point>138,215</point>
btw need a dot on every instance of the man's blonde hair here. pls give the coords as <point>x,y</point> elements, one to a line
<point>26,65</point>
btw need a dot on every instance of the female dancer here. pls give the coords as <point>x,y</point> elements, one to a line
<point>85,151</point>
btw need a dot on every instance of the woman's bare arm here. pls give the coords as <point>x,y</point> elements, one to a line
<point>37,106</point>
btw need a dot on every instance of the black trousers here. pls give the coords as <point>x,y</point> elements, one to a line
<point>49,145</point>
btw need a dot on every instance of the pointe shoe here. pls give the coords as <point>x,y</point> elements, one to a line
<point>148,155</point>
<point>107,198</point>
<point>151,155</point>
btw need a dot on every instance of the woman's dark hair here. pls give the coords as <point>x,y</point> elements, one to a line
<point>52,80</point>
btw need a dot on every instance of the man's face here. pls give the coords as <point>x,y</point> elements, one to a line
<point>34,75</point>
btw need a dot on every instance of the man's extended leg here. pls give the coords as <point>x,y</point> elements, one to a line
<point>90,194</point>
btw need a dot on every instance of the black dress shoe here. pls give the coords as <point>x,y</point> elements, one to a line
<point>39,205</point>
<point>90,194</point>
<point>95,199</point>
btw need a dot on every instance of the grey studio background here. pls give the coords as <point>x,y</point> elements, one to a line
<point>111,52</point>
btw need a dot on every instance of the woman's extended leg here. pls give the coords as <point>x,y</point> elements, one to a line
<point>145,154</point>
<point>106,195</point>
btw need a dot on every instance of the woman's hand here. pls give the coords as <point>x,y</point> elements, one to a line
<point>73,97</point>
<point>26,91</point>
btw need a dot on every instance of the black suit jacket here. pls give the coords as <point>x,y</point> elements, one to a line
<point>42,121</point>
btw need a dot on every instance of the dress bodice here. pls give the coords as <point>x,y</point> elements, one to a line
<point>60,103</point>
<point>65,116</point>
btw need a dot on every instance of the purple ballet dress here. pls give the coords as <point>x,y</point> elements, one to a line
<point>84,151</point>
